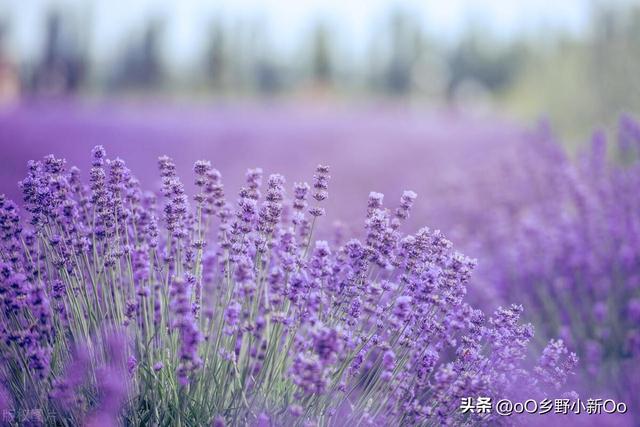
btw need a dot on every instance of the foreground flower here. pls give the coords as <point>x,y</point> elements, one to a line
<point>234,314</point>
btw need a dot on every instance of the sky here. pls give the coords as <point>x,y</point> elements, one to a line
<point>285,22</point>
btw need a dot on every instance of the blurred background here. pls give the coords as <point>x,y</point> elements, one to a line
<point>573,61</point>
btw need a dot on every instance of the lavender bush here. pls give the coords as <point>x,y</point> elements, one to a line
<point>565,241</point>
<point>121,306</point>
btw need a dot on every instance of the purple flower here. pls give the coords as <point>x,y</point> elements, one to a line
<point>320,186</point>
<point>237,309</point>
<point>132,364</point>
<point>402,307</point>
<point>232,313</point>
<point>327,343</point>
<point>308,374</point>
<point>218,421</point>
<point>300,192</point>
<point>184,322</point>
<point>321,182</point>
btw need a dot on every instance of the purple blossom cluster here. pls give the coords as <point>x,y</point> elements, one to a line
<point>564,240</point>
<point>126,306</point>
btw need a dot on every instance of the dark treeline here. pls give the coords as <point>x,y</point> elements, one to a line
<point>402,60</point>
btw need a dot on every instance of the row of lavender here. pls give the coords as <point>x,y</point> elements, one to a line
<point>125,306</point>
<point>563,239</point>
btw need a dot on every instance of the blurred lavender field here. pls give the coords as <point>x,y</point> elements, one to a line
<point>441,156</point>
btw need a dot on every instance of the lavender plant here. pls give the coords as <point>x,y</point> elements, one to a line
<point>573,255</point>
<point>121,306</point>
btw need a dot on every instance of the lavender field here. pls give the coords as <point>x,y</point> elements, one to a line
<point>278,265</point>
<point>440,153</point>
